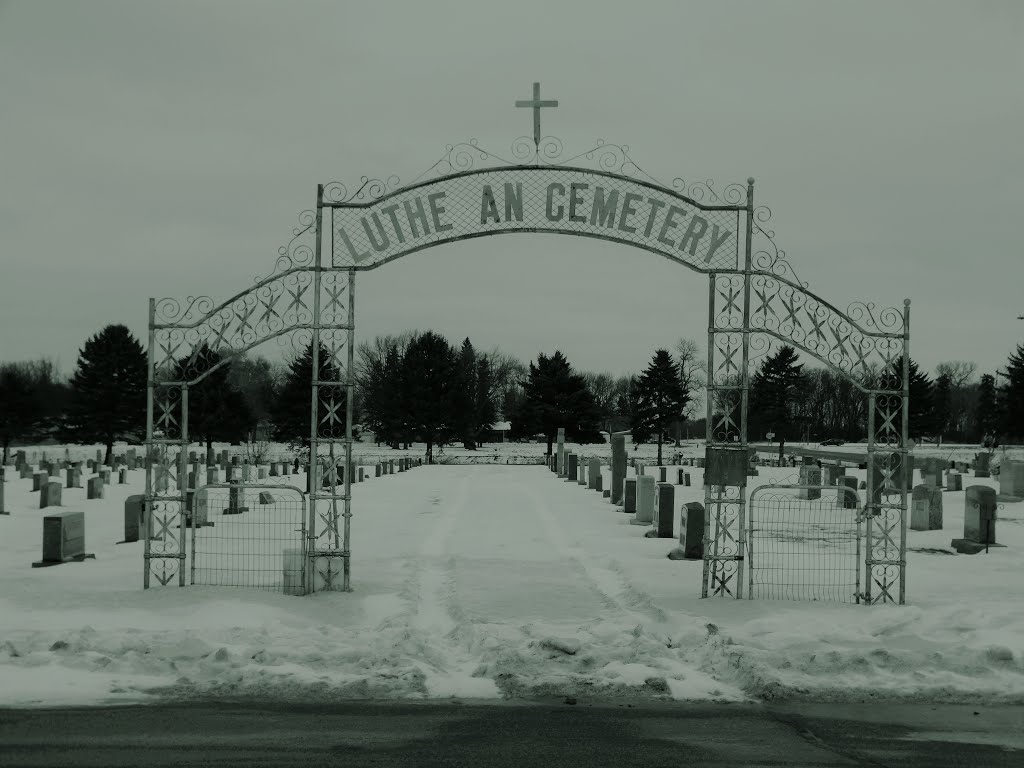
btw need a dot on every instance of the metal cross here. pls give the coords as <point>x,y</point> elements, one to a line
<point>535,104</point>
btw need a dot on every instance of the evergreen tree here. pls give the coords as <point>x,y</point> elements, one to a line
<point>773,396</point>
<point>987,415</point>
<point>216,410</point>
<point>380,382</point>
<point>484,410</point>
<point>941,401</point>
<point>428,394</point>
<point>108,390</point>
<point>21,406</point>
<point>554,397</point>
<point>466,395</point>
<point>628,407</point>
<point>662,399</point>
<point>292,409</point>
<point>1011,395</point>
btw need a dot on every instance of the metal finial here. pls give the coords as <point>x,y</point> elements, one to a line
<point>535,104</point>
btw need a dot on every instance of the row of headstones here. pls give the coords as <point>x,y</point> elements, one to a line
<point>51,491</point>
<point>651,501</point>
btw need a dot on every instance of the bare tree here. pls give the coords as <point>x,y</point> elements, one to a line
<point>960,372</point>
<point>602,387</point>
<point>692,375</point>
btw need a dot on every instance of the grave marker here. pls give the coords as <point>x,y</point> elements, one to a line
<point>599,485</point>
<point>266,497</point>
<point>618,466</point>
<point>644,500</point>
<point>94,488</point>
<point>691,533</point>
<point>49,495</point>
<point>63,539</point>
<point>571,468</point>
<point>847,499</point>
<point>561,451</point>
<point>122,476</point>
<point>629,495</point>
<point>981,464</point>
<point>954,481</point>
<point>1011,481</point>
<point>235,501</point>
<point>980,514</point>
<point>39,479</point>
<point>593,473</point>
<point>664,512</point>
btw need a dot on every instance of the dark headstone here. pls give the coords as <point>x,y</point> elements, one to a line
<point>691,530</point>
<point>629,495</point>
<point>618,467</point>
<point>235,501</point>
<point>664,516</point>
<point>94,488</point>
<point>39,479</point>
<point>133,514</point>
<point>266,497</point>
<point>980,514</point>
<point>63,537</point>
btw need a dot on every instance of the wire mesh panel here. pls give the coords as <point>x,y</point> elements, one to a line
<point>804,544</point>
<point>249,535</point>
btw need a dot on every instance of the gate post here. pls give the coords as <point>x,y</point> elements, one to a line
<point>147,504</point>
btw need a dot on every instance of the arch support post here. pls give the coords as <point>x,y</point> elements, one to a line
<point>726,458</point>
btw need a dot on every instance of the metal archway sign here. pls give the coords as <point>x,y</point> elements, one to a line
<point>754,300</point>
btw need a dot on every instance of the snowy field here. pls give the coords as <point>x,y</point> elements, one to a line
<point>497,582</point>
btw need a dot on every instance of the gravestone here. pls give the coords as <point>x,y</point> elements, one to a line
<point>266,497</point>
<point>571,468</point>
<point>212,475</point>
<point>607,493</point>
<point>934,508</point>
<point>360,474</point>
<point>99,456</point>
<point>581,472</point>
<point>954,481</point>
<point>105,475</point>
<point>63,538</point>
<point>191,480</point>
<point>593,473</point>
<point>246,473</point>
<point>1011,481</point>
<point>261,473</point>
<point>599,484</point>
<point>94,488</point>
<point>981,464</point>
<point>122,476</point>
<point>25,471</point>
<point>629,495</point>
<point>919,514</point>
<point>235,501</point>
<point>665,511</point>
<point>680,475</point>
<point>686,479</point>
<point>3,511</point>
<point>376,470</point>
<point>691,533</point>
<point>39,479</point>
<point>391,466</point>
<point>980,514</point>
<point>561,451</point>
<point>134,510</point>
<point>49,495</point>
<point>618,467</point>
<point>644,500</point>
<point>274,469</point>
<point>73,477</point>
<point>847,499</point>
<point>812,476</point>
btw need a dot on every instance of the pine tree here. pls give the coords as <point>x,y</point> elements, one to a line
<point>773,396</point>
<point>217,411</point>
<point>466,395</point>
<point>484,410</point>
<point>941,401</point>
<point>921,396</point>
<point>1011,395</point>
<point>554,397</point>
<point>662,399</point>
<point>987,414</point>
<point>292,409</point>
<point>21,406</point>
<point>428,393</point>
<point>108,390</point>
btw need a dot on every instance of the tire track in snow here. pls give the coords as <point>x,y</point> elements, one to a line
<point>437,618</point>
<point>610,582</point>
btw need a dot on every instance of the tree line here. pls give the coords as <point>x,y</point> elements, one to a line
<point>417,387</point>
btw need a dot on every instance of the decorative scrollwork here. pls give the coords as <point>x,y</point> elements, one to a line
<point>885,320</point>
<point>368,189</point>
<point>705,192</point>
<point>171,310</point>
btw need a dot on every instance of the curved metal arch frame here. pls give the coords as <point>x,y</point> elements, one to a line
<point>730,329</point>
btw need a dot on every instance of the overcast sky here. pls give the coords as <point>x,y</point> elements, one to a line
<point>165,149</point>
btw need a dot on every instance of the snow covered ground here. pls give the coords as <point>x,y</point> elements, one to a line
<point>492,582</point>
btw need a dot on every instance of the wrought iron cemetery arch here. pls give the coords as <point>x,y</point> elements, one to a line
<point>754,296</point>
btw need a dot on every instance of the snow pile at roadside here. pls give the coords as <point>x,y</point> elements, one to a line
<point>491,583</point>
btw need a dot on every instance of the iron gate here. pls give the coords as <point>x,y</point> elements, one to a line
<point>250,535</point>
<point>804,548</point>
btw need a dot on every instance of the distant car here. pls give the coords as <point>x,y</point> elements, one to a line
<point>832,441</point>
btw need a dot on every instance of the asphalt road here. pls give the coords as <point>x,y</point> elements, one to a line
<point>497,735</point>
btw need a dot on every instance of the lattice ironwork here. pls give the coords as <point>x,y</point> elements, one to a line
<point>250,535</point>
<point>804,543</point>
